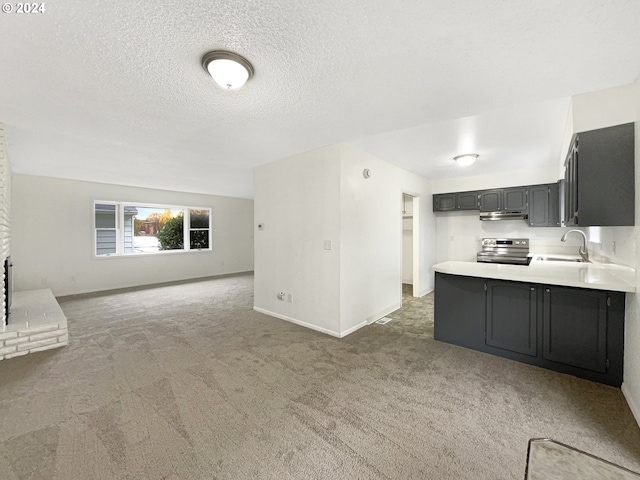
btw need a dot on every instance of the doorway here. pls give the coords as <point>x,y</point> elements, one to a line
<point>410,245</point>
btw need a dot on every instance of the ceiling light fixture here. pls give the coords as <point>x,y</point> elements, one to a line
<point>466,159</point>
<point>228,69</point>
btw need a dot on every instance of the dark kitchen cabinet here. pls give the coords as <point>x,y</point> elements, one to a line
<point>511,316</point>
<point>491,200</point>
<point>600,178</point>
<point>515,199</point>
<point>504,199</point>
<point>544,206</point>
<point>570,330</point>
<point>575,327</point>
<point>448,202</point>
<point>467,201</point>
<point>460,323</point>
<point>444,202</point>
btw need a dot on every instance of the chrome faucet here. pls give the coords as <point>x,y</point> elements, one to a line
<point>583,249</point>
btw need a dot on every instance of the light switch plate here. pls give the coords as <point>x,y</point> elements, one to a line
<point>327,245</point>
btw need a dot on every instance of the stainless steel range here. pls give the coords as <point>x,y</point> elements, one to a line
<point>505,250</point>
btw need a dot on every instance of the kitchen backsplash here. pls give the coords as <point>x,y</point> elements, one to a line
<point>460,233</point>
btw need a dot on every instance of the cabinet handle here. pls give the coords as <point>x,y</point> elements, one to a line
<point>547,290</point>
<point>532,288</point>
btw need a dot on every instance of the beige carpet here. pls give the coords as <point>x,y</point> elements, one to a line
<point>186,381</point>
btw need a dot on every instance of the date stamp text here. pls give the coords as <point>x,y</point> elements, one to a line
<point>23,8</point>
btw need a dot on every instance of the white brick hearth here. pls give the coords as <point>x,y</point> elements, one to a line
<point>36,323</point>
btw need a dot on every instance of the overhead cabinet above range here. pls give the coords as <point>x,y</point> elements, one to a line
<point>504,200</point>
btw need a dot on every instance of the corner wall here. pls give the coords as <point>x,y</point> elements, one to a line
<point>371,237</point>
<point>297,200</point>
<point>53,238</point>
<point>318,196</point>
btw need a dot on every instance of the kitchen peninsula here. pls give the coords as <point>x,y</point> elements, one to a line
<point>564,316</point>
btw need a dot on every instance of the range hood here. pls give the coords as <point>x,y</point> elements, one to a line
<point>502,215</point>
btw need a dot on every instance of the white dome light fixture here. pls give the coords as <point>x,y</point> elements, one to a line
<point>466,159</point>
<point>228,69</point>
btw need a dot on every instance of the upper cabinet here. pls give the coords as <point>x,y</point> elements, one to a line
<point>491,200</point>
<point>467,200</point>
<point>448,202</point>
<point>544,208</point>
<point>504,199</point>
<point>599,180</point>
<point>516,199</point>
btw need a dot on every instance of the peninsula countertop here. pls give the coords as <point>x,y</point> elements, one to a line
<point>598,276</point>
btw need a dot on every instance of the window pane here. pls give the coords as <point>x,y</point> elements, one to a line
<point>105,242</point>
<point>199,239</point>
<point>199,218</point>
<point>154,228</point>
<point>105,216</point>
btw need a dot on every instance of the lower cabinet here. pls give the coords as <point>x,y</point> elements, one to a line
<point>570,330</point>
<point>574,327</point>
<point>511,316</point>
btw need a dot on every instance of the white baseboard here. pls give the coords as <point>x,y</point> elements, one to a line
<point>353,329</point>
<point>369,320</point>
<point>425,292</point>
<point>298,322</point>
<point>631,402</point>
<point>383,313</point>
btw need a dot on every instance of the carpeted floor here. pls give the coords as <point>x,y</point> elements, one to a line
<point>186,381</point>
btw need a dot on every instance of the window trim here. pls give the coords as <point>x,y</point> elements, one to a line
<point>119,229</point>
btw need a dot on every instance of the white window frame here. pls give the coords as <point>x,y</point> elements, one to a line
<point>120,234</point>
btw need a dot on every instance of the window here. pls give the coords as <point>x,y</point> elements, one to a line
<point>129,229</point>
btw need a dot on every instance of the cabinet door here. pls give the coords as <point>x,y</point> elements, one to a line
<point>539,206</point>
<point>554,205</point>
<point>544,205</point>
<point>455,321</point>
<point>444,202</point>
<point>574,327</point>
<point>491,201</point>
<point>605,175</point>
<point>571,186</point>
<point>515,199</point>
<point>467,201</point>
<point>511,316</point>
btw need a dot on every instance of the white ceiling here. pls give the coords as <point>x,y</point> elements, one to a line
<point>113,91</point>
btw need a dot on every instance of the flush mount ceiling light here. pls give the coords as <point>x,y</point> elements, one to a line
<point>228,69</point>
<point>466,159</point>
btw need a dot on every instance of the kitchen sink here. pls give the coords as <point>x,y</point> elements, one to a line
<point>549,258</point>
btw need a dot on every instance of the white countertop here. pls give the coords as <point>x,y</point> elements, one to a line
<point>598,276</point>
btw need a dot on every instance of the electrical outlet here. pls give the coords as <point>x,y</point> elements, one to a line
<point>327,245</point>
<point>290,297</point>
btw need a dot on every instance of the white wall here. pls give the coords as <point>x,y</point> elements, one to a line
<point>322,195</point>
<point>297,199</point>
<point>598,110</point>
<point>53,246</point>
<point>371,229</point>
<point>512,178</point>
<point>460,234</point>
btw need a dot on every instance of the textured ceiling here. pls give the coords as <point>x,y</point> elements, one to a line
<point>113,91</point>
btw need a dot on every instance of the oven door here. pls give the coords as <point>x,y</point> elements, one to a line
<point>508,258</point>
